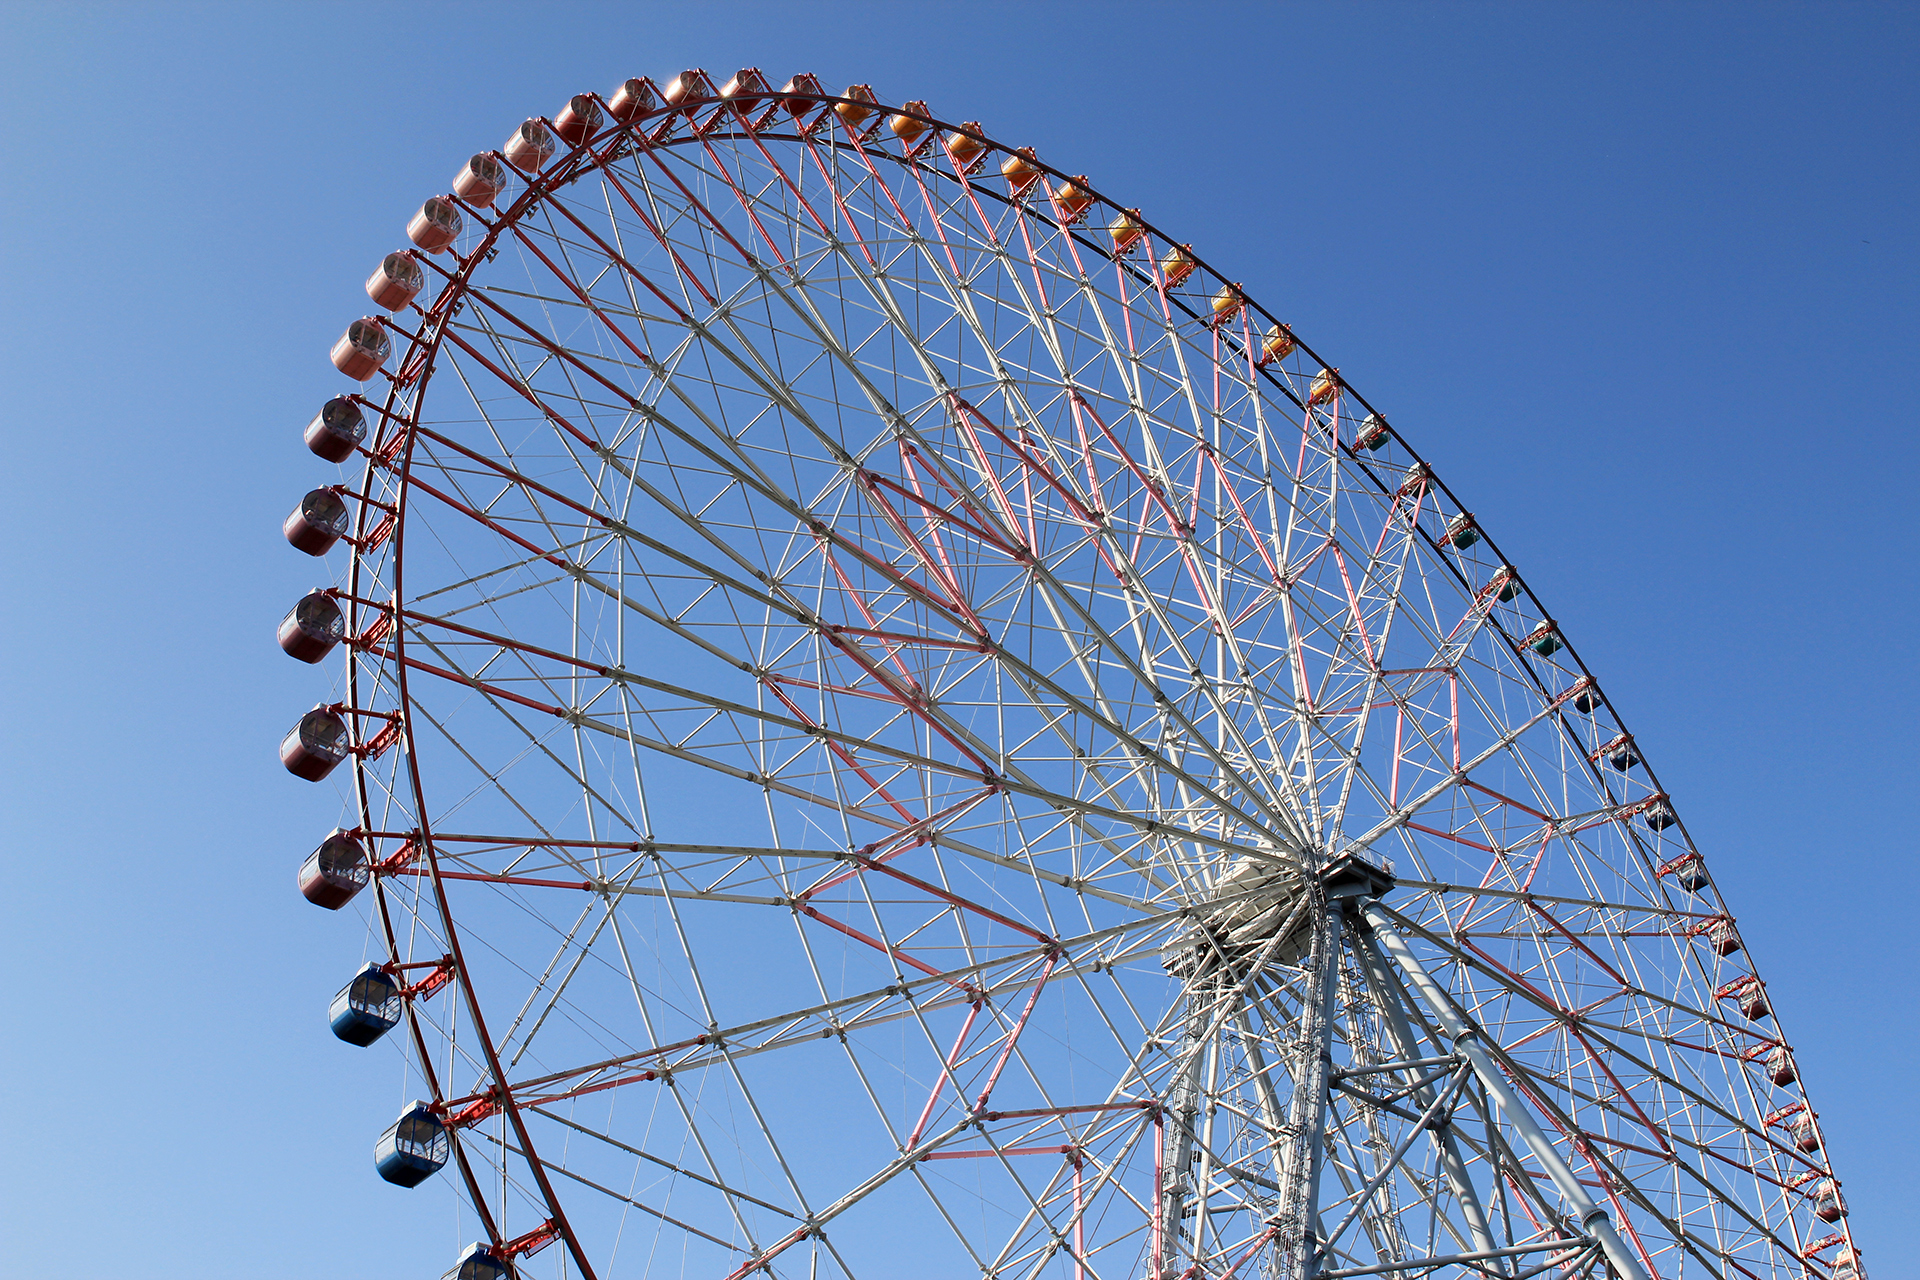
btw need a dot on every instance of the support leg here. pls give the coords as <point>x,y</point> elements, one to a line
<point>1407,1046</point>
<point>1295,1240</point>
<point>1177,1129</point>
<point>1592,1218</point>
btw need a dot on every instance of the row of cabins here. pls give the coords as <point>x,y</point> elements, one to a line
<point>417,1146</point>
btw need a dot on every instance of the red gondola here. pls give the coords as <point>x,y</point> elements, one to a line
<point>336,429</point>
<point>335,871</point>
<point>397,281</point>
<point>480,180</point>
<point>1750,995</point>
<point>313,747</point>
<point>688,84</point>
<point>530,147</point>
<point>1780,1066</point>
<point>312,627</point>
<point>631,99</point>
<point>362,349</point>
<point>317,523</point>
<point>437,225</point>
<point>747,90</point>
<point>799,98</point>
<point>579,120</point>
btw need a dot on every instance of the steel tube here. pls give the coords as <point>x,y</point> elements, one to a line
<point>1454,1259</point>
<point>1593,1219</point>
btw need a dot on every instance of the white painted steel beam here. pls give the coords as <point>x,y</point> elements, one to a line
<point>1466,1037</point>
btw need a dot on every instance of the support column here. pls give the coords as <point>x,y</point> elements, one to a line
<point>1180,1114</point>
<point>1592,1218</point>
<point>1407,1045</point>
<point>1295,1234</point>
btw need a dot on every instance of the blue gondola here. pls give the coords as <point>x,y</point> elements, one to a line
<point>1690,871</point>
<point>1372,434</point>
<point>477,1263</point>
<point>368,1007</point>
<point>414,1149</point>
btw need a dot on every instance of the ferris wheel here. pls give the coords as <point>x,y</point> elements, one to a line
<point>901,723</point>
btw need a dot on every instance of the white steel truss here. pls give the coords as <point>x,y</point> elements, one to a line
<point>939,737</point>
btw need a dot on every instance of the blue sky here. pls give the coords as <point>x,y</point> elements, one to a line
<point>1638,280</point>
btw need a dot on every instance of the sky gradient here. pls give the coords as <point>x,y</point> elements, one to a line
<point>1638,280</point>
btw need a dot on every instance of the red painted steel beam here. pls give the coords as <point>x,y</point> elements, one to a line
<point>1013,1036</point>
<point>946,1075</point>
<point>1030,1113</point>
<point>878,945</point>
<point>485,878</point>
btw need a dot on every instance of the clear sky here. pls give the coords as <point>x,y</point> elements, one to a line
<point>1639,281</point>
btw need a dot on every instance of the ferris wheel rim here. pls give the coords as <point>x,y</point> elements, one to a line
<point>567,169</point>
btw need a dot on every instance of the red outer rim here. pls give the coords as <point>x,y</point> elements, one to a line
<point>393,449</point>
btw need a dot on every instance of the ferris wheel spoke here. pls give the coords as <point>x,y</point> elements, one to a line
<point>1505,739</point>
<point>572,364</point>
<point>624,680</point>
<point>1085,618</point>
<point>1013,975</point>
<point>554,1167</point>
<point>656,221</point>
<point>927,361</point>
<point>659,686</point>
<point>1615,1176</point>
<point>1645,1066</point>
<point>613,260</point>
<point>805,526</point>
